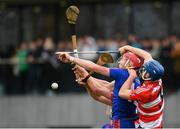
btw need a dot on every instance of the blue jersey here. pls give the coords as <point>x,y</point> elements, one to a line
<point>122,108</point>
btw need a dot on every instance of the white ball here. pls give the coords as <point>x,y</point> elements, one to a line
<point>54,85</point>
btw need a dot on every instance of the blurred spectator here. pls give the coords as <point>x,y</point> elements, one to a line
<point>167,61</point>
<point>87,43</point>
<point>112,45</point>
<point>34,66</point>
<point>62,46</point>
<point>122,43</point>
<point>132,39</point>
<point>39,42</point>
<point>101,44</point>
<point>156,48</point>
<point>173,39</point>
<point>176,58</point>
<point>23,67</point>
<point>6,69</point>
<point>34,69</point>
<point>146,44</point>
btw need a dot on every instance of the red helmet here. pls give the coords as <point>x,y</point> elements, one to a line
<point>136,60</point>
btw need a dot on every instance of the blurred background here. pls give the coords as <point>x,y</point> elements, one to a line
<point>32,30</point>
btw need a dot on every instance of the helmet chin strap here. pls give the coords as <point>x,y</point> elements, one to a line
<point>126,65</point>
<point>143,76</point>
<point>126,62</point>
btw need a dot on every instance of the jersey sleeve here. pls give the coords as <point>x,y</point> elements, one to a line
<point>137,83</point>
<point>141,94</point>
<point>116,73</point>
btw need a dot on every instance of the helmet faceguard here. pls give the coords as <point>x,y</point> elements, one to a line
<point>130,60</point>
<point>144,74</point>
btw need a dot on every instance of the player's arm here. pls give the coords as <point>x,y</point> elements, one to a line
<point>101,81</point>
<point>141,53</point>
<point>99,98</point>
<point>102,95</point>
<point>98,89</point>
<point>104,100</point>
<point>89,65</point>
<point>106,84</point>
<point>110,86</point>
<point>125,90</point>
<point>140,94</point>
<point>98,85</point>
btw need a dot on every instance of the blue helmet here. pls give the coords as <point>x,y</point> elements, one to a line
<point>155,69</point>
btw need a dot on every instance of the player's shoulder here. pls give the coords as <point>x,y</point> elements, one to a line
<point>144,89</point>
<point>152,84</point>
<point>119,70</point>
<point>148,88</point>
<point>118,73</point>
<point>140,90</point>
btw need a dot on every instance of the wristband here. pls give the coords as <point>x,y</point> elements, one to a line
<point>86,78</point>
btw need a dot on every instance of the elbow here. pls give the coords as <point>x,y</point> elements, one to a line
<point>122,94</point>
<point>111,95</point>
<point>95,97</point>
<point>110,103</point>
<point>148,57</point>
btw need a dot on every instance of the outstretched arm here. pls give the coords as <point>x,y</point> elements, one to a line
<point>89,65</point>
<point>141,53</point>
<point>98,97</point>
<point>100,90</point>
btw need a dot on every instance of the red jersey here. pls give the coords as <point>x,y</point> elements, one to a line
<point>150,103</point>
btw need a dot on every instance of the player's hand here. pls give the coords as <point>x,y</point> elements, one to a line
<point>79,80</point>
<point>65,58</point>
<point>132,73</point>
<point>80,74</point>
<point>123,49</point>
<point>83,73</point>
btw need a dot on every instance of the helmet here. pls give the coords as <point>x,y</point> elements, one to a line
<point>136,60</point>
<point>154,69</point>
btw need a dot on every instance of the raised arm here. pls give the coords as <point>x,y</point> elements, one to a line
<point>89,65</point>
<point>124,92</point>
<point>142,53</point>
